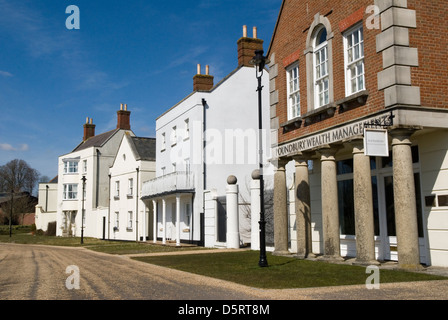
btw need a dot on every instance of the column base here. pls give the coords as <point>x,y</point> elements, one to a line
<point>304,256</point>
<point>365,263</point>
<point>281,253</point>
<point>333,258</point>
<point>410,267</point>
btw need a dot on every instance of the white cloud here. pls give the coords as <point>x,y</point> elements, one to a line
<point>8,147</point>
<point>5,74</point>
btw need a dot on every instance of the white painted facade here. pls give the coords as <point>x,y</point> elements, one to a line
<point>93,163</point>
<point>201,141</point>
<point>46,209</point>
<point>128,218</point>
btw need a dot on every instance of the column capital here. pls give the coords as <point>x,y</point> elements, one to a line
<point>358,145</point>
<point>280,163</point>
<point>328,152</point>
<point>302,156</point>
<point>402,134</point>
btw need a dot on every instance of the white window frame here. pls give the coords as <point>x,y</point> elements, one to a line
<point>130,187</point>
<point>130,220</point>
<point>174,136</point>
<point>84,166</point>
<point>163,146</point>
<point>321,93</point>
<point>356,61</point>
<point>187,129</point>
<point>71,166</point>
<point>70,191</point>
<point>117,189</point>
<point>293,91</point>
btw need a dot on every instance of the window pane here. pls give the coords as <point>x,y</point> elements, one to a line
<point>346,207</point>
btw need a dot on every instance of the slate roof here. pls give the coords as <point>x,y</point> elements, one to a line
<point>96,141</point>
<point>143,148</point>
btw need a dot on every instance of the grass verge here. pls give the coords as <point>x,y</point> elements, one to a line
<point>111,247</point>
<point>282,273</point>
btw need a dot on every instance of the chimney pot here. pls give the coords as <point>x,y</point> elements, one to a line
<point>124,118</point>
<point>207,70</point>
<point>89,129</point>
<point>247,47</point>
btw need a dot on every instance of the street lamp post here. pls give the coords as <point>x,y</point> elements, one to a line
<point>10,213</point>
<point>259,61</point>
<point>82,217</point>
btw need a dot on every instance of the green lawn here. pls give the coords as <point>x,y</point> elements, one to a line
<point>283,272</point>
<point>111,247</point>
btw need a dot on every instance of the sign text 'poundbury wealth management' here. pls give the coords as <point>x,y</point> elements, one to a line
<point>324,138</point>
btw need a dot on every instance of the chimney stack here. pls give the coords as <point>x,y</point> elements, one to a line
<point>124,118</point>
<point>203,82</point>
<point>247,47</point>
<point>89,129</point>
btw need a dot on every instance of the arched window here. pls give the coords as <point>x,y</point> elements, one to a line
<point>321,68</point>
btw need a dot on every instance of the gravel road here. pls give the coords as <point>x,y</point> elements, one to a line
<point>33,272</point>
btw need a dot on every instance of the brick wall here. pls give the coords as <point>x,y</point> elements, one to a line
<point>289,45</point>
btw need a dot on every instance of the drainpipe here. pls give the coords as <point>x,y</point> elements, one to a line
<point>97,176</point>
<point>204,180</point>
<point>136,207</point>
<point>108,212</point>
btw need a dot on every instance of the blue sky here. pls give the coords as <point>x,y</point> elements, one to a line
<point>140,52</point>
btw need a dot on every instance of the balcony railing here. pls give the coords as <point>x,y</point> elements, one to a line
<point>170,183</point>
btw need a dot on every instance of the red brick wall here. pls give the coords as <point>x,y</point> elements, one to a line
<point>431,39</point>
<point>289,43</point>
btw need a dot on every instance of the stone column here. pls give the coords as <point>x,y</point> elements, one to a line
<point>364,220</point>
<point>233,232</point>
<point>280,209</point>
<point>154,217</point>
<point>178,220</point>
<point>404,199</point>
<point>164,220</point>
<point>303,206</point>
<point>330,208</point>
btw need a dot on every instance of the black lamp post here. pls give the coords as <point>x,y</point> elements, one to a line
<point>82,217</point>
<point>10,213</point>
<point>259,61</point>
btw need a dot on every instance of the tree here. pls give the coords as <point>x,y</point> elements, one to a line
<point>17,176</point>
<point>17,183</point>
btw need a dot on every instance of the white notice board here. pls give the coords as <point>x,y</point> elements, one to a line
<point>376,142</point>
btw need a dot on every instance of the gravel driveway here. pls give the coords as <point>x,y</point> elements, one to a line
<point>34,272</point>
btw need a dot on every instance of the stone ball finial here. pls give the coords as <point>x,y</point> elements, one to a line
<point>256,174</point>
<point>232,180</point>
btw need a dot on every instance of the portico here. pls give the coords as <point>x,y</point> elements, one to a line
<point>354,215</point>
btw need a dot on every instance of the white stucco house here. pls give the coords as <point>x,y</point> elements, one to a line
<point>202,140</point>
<point>134,163</point>
<point>91,160</point>
<point>46,208</point>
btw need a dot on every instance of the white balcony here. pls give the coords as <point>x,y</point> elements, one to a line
<point>170,183</point>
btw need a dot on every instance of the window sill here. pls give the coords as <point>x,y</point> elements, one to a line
<point>319,113</point>
<point>129,229</point>
<point>292,124</point>
<point>353,101</point>
<point>130,196</point>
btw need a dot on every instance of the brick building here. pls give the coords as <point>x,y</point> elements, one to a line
<point>338,68</point>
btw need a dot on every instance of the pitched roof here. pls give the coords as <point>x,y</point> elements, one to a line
<point>96,141</point>
<point>143,148</point>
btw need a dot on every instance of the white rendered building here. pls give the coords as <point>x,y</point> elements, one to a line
<point>201,141</point>
<point>91,160</point>
<point>128,218</point>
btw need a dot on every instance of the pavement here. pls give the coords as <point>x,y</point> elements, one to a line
<point>33,272</point>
